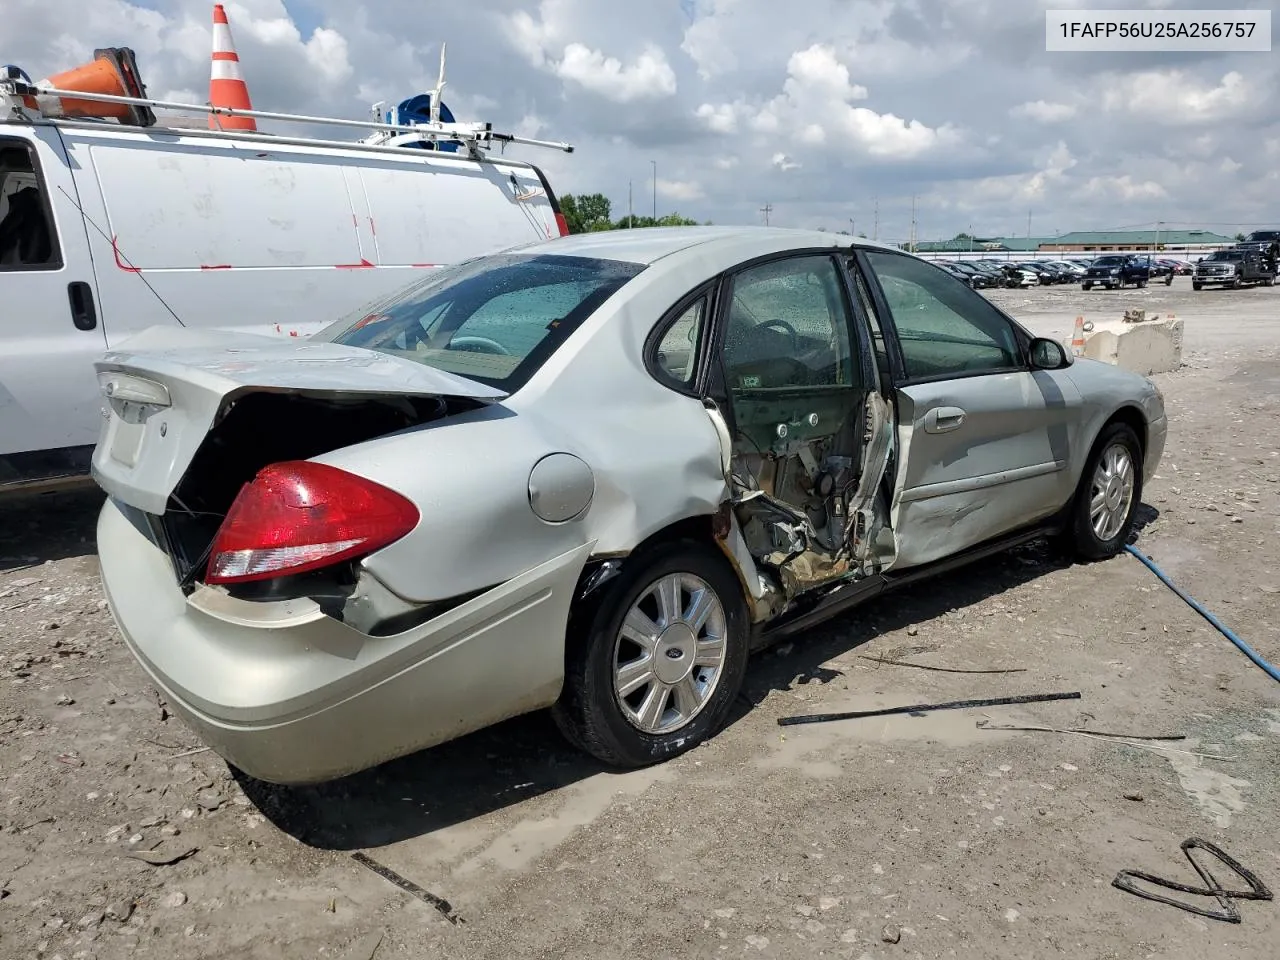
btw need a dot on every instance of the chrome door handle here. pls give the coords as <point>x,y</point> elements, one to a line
<point>943,419</point>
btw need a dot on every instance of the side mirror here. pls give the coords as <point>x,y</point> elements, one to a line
<point>1049,355</point>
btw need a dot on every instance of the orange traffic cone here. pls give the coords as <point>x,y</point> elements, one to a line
<point>226,83</point>
<point>1077,338</point>
<point>113,71</point>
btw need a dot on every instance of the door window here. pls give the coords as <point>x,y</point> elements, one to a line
<point>788,327</point>
<point>27,237</point>
<point>788,360</point>
<point>944,328</point>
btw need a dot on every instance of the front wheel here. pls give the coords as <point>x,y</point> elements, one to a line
<point>1108,495</point>
<point>1141,284</point>
<point>1086,286</point>
<point>1197,286</point>
<point>1168,281</point>
<point>654,669</point>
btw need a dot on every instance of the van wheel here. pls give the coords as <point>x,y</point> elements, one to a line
<point>1101,515</point>
<point>655,669</point>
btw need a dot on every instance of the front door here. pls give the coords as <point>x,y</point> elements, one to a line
<point>50,333</point>
<point>984,440</point>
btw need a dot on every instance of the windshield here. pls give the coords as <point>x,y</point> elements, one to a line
<point>494,319</point>
<point>1264,236</point>
<point>1225,255</point>
<point>1109,262</point>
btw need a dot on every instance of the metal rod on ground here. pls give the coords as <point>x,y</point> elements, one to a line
<point>926,708</point>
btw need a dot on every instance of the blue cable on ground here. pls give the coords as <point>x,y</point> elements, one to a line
<point>1244,647</point>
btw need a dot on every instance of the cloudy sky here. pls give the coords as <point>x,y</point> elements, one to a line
<point>820,108</point>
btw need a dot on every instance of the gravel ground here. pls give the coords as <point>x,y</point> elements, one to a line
<point>898,837</point>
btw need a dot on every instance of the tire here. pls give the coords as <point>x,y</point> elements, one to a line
<point>1168,281</point>
<point>1081,536</point>
<point>1086,286</point>
<point>1196,286</point>
<point>590,712</point>
<point>1141,284</point>
<point>1235,282</point>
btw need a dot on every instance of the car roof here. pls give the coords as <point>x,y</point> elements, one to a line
<point>647,245</point>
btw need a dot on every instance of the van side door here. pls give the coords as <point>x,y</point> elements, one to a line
<point>50,332</point>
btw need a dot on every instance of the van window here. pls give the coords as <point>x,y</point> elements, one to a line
<point>494,319</point>
<point>27,237</point>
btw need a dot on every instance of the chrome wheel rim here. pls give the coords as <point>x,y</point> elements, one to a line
<point>669,655</point>
<point>1111,495</point>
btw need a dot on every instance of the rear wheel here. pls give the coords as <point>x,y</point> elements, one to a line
<point>1108,496</point>
<point>655,669</point>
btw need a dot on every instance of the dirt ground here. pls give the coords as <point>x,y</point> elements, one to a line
<point>921,836</point>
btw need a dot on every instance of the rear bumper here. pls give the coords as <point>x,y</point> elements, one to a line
<point>290,695</point>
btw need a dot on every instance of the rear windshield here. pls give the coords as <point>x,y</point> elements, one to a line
<point>494,319</point>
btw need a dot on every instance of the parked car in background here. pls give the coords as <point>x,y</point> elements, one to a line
<point>1233,268</point>
<point>1117,270</point>
<point>965,277</point>
<point>1159,270</point>
<point>650,452</point>
<point>1073,271</point>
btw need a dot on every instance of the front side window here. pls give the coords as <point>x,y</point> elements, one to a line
<point>944,328</point>
<point>494,319</point>
<point>27,238</point>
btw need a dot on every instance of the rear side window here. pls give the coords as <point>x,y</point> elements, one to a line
<point>676,356</point>
<point>28,240</point>
<point>493,319</point>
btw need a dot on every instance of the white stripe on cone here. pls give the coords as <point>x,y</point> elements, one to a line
<point>226,70</point>
<point>222,42</point>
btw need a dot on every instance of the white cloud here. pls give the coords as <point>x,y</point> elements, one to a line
<point>784,162</point>
<point>680,189</point>
<point>816,106</point>
<point>1173,97</point>
<point>720,119</point>
<point>1229,166</point>
<point>1043,112</point>
<point>649,76</point>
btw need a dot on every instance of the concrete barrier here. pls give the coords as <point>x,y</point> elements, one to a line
<point>1136,343</point>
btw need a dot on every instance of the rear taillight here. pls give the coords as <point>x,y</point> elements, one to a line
<point>563,224</point>
<point>299,516</point>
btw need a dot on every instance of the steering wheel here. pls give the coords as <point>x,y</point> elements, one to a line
<point>479,345</point>
<point>786,328</point>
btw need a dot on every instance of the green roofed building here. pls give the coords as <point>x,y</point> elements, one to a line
<point>1104,241</point>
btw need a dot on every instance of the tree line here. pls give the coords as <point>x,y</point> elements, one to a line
<point>590,212</point>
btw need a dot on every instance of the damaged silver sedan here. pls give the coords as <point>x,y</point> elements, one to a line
<point>592,474</point>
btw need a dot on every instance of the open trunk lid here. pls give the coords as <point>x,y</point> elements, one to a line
<point>167,389</point>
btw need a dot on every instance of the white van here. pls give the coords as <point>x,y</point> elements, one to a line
<point>108,229</point>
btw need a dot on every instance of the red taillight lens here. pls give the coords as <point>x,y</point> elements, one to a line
<point>300,516</point>
<point>563,224</point>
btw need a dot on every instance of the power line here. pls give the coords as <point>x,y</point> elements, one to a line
<point>766,210</point>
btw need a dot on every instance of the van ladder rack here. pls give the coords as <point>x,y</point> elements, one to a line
<point>476,137</point>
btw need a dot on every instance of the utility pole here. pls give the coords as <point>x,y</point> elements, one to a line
<point>1028,224</point>
<point>852,228</point>
<point>875,229</point>
<point>971,238</point>
<point>655,191</point>
<point>766,210</point>
<point>631,209</point>
<point>912,241</point>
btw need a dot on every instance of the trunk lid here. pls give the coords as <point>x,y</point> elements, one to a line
<point>166,389</point>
